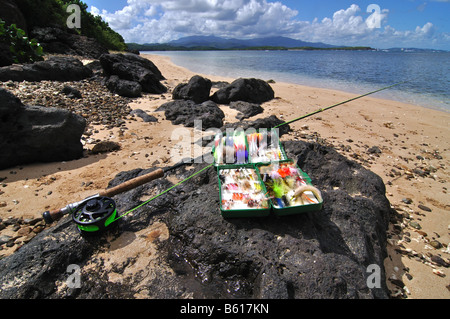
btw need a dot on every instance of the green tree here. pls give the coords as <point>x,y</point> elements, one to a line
<point>43,13</point>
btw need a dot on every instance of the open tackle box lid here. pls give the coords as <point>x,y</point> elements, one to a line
<point>243,142</point>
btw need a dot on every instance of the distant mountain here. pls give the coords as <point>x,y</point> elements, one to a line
<point>218,43</point>
<point>222,43</point>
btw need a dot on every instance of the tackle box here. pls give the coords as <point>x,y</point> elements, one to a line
<point>310,202</point>
<point>258,164</point>
<point>229,175</point>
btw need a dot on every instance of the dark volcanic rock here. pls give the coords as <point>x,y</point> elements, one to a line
<point>37,134</point>
<point>186,112</point>
<point>134,68</point>
<point>144,116</point>
<point>248,90</point>
<point>246,109</point>
<point>58,40</point>
<point>324,254</point>
<point>197,90</point>
<point>54,69</point>
<point>71,92</point>
<point>123,87</point>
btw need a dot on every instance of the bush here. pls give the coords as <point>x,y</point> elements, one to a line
<point>22,50</point>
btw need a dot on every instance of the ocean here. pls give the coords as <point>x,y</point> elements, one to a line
<point>356,72</point>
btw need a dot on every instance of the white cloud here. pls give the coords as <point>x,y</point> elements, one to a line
<point>148,21</point>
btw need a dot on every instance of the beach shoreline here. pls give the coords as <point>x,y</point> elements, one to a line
<point>411,91</point>
<point>406,145</point>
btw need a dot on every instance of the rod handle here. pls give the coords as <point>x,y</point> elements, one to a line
<point>50,217</point>
<point>132,183</point>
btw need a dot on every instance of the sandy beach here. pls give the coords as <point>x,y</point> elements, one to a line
<point>407,146</point>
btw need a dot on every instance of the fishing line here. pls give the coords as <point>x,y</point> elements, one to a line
<point>285,123</point>
<point>337,104</point>
<point>167,190</point>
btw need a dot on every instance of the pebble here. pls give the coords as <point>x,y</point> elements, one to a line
<point>31,221</point>
<point>4,239</point>
<point>407,200</point>
<point>425,208</point>
<point>105,146</point>
<point>24,231</point>
<point>438,272</point>
<point>415,225</point>
<point>374,150</point>
<point>439,261</point>
<point>3,204</point>
<point>98,105</point>
<point>435,244</point>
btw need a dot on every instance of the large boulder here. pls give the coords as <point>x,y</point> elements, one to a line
<point>248,90</point>
<point>37,134</point>
<point>197,90</point>
<point>187,112</point>
<point>132,67</point>
<point>55,68</point>
<point>58,40</point>
<point>321,255</point>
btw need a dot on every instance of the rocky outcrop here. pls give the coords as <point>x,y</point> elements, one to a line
<point>37,134</point>
<point>55,68</point>
<point>187,112</point>
<point>323,254</point>
<point>131,67</point>
<point>58,40</point>
<point>248,90</point>
<point>197,90</point>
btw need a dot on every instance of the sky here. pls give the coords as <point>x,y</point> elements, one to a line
<point>376,23</point>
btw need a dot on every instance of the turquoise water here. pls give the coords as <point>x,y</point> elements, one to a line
<point>351,71</point>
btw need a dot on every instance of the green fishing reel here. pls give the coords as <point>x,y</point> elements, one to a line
<point>95,215</point>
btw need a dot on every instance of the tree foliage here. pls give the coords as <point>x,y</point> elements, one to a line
<point>22,49</point>
<point>43,13</point>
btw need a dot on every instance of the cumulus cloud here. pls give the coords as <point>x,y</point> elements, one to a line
<point>150,21</point>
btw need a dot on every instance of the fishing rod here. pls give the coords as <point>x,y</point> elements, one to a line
<point>98,211</point>
<point>95,213</point>
<point>340,103</point>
